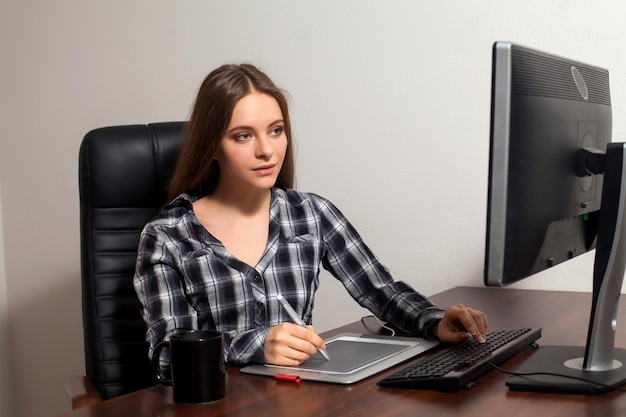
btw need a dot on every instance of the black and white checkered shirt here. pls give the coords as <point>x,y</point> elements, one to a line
<point>186,279</point>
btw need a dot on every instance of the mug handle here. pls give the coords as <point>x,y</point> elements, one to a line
<point>155,363</point>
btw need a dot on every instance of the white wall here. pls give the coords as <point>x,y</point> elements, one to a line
<point>390,109</point>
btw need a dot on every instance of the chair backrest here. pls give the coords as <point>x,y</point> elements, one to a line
<point>123,172</point>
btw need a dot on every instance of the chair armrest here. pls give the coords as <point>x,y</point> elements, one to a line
<point>81,391</point>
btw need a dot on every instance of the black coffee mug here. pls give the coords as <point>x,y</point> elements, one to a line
<point>197,366</point>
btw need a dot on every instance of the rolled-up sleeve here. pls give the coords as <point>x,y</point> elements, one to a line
<point>369,282</point>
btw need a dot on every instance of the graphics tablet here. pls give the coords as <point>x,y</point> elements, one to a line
<point>353,357</point>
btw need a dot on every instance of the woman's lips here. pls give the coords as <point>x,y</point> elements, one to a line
<point>265,169</point>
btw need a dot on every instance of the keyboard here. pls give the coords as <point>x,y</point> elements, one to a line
<point>456,366</point>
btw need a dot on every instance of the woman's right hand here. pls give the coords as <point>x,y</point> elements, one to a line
<point>289,344</point>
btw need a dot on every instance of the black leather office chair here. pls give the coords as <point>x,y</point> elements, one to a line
<point>123,171</point>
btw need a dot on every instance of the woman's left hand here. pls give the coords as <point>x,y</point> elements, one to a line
<point>459,321</point>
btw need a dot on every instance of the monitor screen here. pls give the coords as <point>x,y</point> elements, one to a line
<point>556,190</point>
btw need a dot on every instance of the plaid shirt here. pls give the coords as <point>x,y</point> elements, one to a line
<point>186,279</point>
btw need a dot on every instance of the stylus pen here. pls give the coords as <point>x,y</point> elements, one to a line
<point>296,319</point>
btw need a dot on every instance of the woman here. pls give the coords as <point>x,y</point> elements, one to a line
<point>236,235</point>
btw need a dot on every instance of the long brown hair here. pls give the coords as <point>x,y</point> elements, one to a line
<point>196,169</point>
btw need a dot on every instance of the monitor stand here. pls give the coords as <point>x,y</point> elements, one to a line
<point>550,361</point>
<point>598,366</point>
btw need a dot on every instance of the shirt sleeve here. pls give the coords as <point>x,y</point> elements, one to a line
<point>160,290</point>
<point>165,308</point>
<point>369,282</point>
<point>245,347</point>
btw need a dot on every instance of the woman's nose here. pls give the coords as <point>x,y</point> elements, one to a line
<point>264,147</point>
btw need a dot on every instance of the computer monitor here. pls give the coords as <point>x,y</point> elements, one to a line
<point>556,190</point>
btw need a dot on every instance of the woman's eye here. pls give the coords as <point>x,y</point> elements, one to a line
<point>242,136</point>
<point>277,131</point>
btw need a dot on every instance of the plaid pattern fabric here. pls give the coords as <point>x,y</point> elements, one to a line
<point>186,279</point>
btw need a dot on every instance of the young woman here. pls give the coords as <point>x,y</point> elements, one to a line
<point>236,235</point>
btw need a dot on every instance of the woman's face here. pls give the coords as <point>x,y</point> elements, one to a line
<point>252,151</point>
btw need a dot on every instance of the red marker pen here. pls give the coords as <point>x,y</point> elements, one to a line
<point>287,378</point>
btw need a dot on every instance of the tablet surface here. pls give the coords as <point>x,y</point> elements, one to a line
<point>353,357</point>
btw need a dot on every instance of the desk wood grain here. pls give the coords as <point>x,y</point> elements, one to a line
<point>562,315</point>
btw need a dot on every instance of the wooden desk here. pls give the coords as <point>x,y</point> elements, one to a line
<point>562,315</point>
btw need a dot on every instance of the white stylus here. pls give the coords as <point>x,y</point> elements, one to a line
<point>296,319</point>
